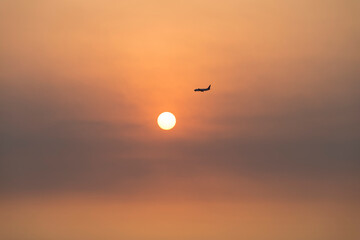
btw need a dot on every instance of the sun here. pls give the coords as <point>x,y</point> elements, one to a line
<point>166,120</point>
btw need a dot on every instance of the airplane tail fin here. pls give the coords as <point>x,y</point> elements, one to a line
<point>209,86</point>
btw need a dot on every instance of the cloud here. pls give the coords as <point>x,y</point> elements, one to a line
<point>64,140</point>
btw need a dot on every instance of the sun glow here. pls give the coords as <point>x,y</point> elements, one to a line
<point>166,120</point>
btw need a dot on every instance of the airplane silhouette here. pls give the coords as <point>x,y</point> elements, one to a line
<point>202,89</point>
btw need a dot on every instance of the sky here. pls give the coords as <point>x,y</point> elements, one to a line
<point>271,152</point>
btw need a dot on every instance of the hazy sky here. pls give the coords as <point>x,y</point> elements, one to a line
<point>271,152</point>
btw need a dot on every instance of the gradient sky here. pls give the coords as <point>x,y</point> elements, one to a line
<point>272,152</point>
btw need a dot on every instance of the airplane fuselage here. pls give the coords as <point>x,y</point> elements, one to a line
<point>201,90</point>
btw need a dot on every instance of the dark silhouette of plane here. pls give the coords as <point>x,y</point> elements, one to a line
<point>202,89</point>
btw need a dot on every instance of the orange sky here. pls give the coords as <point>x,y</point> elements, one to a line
<point>271,152</point>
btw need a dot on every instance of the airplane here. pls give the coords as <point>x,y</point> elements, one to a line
<point>202,89</point>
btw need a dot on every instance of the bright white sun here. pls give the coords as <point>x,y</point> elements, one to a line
<point>166,120</point>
